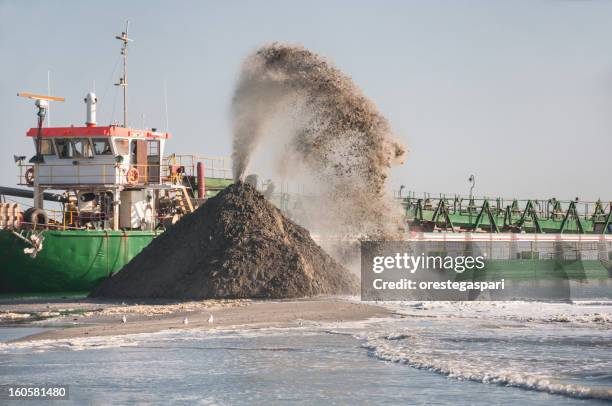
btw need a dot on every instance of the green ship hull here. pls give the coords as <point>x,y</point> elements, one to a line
<point>70,261</point>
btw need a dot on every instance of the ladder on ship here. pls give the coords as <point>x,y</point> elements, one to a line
<point>182,198</point>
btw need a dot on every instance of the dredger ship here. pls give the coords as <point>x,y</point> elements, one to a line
<point>100,194</point>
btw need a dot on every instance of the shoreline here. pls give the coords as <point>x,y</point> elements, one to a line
<point>392,333</point>
<point>95,318</point>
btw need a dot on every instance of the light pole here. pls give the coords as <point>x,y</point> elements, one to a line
<point>472,181</point>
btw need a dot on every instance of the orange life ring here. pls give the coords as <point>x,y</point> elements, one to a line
<point>29,176</point>
<point>132,176</point>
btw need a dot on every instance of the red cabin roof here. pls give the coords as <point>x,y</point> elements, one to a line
<point>97,131</point>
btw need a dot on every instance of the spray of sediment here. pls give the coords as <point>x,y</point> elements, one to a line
<point>331,134</point>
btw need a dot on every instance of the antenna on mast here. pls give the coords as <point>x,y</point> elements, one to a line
<point>123,82</point>
<point>42,103</point>
<point>166,104</point>
<point>49,92</point>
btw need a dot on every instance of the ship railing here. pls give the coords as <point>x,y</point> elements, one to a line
<point>544,208</point>
<point>70,219</point>
<point>77,173</point>
<point>214,167</point>
<point>56,220</point>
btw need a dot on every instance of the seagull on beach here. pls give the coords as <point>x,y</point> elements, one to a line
<point>185,321</point>
<point>211,319</point>
<point>124,319</point>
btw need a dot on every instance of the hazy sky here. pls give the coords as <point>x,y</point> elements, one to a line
<point>519,93</point>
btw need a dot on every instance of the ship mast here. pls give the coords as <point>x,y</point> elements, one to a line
<point>123,82</point>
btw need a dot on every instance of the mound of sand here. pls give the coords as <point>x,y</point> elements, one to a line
<point>236,245</point>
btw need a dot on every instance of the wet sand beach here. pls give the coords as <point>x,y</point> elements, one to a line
<point>94,318</point>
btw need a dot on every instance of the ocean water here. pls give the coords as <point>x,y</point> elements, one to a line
<point>427,354</point>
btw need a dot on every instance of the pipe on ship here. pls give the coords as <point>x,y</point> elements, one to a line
<point>201,181</point>
<point>11,191</point>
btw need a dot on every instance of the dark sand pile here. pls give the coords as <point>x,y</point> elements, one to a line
<point>236,245</point>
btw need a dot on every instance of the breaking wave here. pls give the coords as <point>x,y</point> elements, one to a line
<point>464,370</point>
<point>495,343</point>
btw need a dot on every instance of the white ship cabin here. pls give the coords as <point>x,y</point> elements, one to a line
<point>98,155</point>
<point>114,172</point>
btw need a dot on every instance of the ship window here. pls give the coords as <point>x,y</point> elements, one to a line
<point>122,147</point>
<point>81,148</point>
<point>46,147</point>
<point>153,148</point>
<point>102,146</point>
<point>64,148</point>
